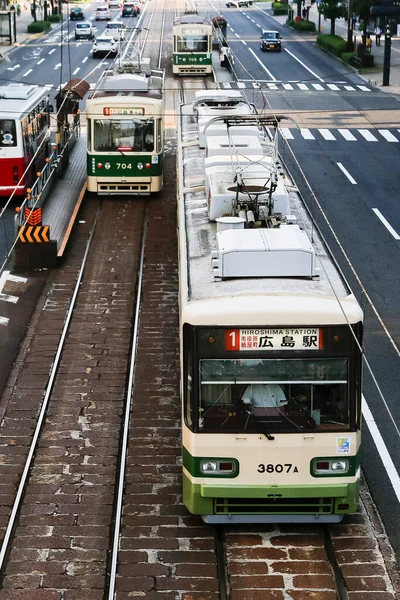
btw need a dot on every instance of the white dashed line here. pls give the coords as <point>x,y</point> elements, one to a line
<point>39,62</point>
<point>303,65</point>
<point>345,171</point>
<point>27,73</point>
<point>386,224</point>
<point>51,51</point>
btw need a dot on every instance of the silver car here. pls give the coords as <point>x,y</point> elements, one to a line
<point>115,29</point>
<point>102,14</point>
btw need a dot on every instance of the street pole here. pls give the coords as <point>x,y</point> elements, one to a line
<point>386,55</point>
<point>349,28</point>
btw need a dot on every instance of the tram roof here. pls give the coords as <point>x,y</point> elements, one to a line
<point>219,298</point>
<point>18,99</point>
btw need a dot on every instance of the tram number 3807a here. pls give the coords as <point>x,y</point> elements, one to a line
<point>286,468</point>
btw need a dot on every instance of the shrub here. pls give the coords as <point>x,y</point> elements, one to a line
<point>280,9</point>
<point>38,26</point>
<point>334,44</point>
<point>303,25</point>
<point>54,18</point>
<point>368,60</point>
<point>348,58</point>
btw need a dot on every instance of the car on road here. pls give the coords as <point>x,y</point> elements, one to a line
<point>270,41</point>
<point>115,29</point>
<point>76,13</point>
<point>105,45</point>
<point>114,3</point>
<point>129,9</point>
<point>102,14</point>
<point>84,31</point>
<point>239,3</point>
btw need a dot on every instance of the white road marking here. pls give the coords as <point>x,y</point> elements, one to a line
<point>76,71</point>
<point>363,88</point>
<point>272,86</point>
<point>367,135</point>
<point>333,87</point>
<point>327,135</point>
<point>51,51</point>
<point>85,59</point>
<point>348,136</point>
<point>286,133</point>
<point>303,64</point>
<point>27,73</point>
<point>4,321</point>
<point>262,64</point>
<point>306,133</point>
<point>287,86</point>
<point>345,171</point>
<point>303,86</point>
<point>382,449</point>
<point>387,135</point>
<point>226,85</point>
<point>241,85</point>
<point>13,68</point>
<point>9,298</point>
<point>58,65</point>
<point>39,62</point>
<point>244,43</point>
<point>318,86</point>
<point>350,88</point>
<point>386,224</point>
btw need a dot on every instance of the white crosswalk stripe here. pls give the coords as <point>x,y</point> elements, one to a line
<point>318,87</point>
<point>327,135</point>
<point>367,135</point>
<point>387,135</point>
<point>287,134</point>
<point>347,135</point>
<point>302,86</point>
<point>306,133</point>
<point>288,86</point>
<point>333,86</point>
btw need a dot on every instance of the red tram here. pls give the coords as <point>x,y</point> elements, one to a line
<point>24,135</point>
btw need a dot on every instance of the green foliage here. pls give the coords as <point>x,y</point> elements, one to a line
<point>302,25</point>
<point>331,9</point>
<point>348,57</point>
<point>280,9</point>
<point>334,44</point>
<point>39,27</point>
<point>54,18</point>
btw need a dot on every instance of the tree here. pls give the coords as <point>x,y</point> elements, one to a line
<point>362,9</point>
<point>332,9</point>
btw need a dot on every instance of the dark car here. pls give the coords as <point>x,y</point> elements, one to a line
<point>76,13</point>
<point>129,9</point>
<point>270,40</point>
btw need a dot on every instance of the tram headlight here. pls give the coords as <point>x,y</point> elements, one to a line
<point>140,166</point>
<point>208,466</point>
<point>330,466</point>
<point>340,465</point>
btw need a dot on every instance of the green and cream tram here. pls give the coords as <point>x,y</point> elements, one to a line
<point>270,340</point>
<point>192,45</point>
<point>125,135</point>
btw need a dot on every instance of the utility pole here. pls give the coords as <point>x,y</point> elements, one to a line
<point>386,54</point>
<point>387,9</point>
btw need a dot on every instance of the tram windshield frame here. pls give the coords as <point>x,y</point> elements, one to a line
<point>8,133</point>
<point>274,392</point>
<point>126,134</point>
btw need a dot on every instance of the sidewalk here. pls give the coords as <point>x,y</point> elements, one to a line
<point>22,22</point>
<point>374,76</point>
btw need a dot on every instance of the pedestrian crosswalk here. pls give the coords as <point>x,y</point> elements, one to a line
<point>293,86</point>
<point>333,135</point>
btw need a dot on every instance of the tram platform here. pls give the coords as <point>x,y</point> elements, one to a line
<point>59,213</point>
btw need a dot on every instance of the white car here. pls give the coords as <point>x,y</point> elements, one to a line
<point>115,29</point>
<point>102,14</point>
<point>104,45</point>
<point>114,3</point>
<point>84,31</point>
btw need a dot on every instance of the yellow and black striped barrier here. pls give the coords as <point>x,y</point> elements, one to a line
<point>34,234</point>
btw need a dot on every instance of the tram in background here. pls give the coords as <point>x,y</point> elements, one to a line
<point>192,45</point>
<point>271,355</point>
<point>24,135</point>
<point>125,134</point>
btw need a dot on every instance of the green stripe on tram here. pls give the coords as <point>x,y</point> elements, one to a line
<point>111,165</point>
<point>190,59</point>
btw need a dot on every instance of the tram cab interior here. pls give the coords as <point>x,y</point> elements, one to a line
<point>124,135</point>
<point>192,34</point>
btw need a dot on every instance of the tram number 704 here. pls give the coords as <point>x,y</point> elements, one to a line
<point>124,166</point>
<point>286,468</point>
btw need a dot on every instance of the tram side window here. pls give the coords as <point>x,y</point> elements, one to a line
<point>8,133</point>
<point>195,43</point>
<point>159,135</point>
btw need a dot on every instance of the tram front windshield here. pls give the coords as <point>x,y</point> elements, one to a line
<point>191,43</point>
<point>273,395</point>
<point>123,135</point>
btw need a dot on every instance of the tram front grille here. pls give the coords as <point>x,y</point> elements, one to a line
<point>193,70</point>
<point>123,188</point>
<point>271,506</point>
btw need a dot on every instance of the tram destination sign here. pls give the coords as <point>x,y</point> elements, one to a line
<point>306,338</point>
<point>122,110</point>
